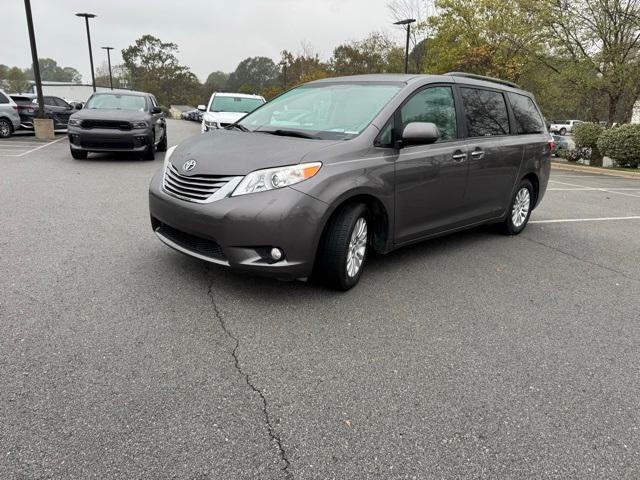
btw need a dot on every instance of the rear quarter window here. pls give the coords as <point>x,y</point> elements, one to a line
<point>485,112</point>
<point>528,119</point>
<point>3,98</point>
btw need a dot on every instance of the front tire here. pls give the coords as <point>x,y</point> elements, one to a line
<point>162,146</point>
<point>150,152</point>
<point>5,128</point>
<point>519,209</point>
<point>78,154</point>
<point>345,247</point>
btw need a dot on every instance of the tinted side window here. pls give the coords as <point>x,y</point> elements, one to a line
<point>434,105</point>
<point>3,99</point>
<point>485,112</point>
<point>60,103</point>
<point>50,101</point>
<point>385,138</point>
<point>528,118</point>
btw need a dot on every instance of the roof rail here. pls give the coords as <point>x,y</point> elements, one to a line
<point>482,77</point>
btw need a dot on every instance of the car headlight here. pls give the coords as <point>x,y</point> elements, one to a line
<point>139,124</point>
<point>273,178</point>
<point>167,156</point>
<point>211,124</point>
<point>75,123</point>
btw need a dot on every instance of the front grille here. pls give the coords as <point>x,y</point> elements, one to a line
<point>208,248</point>
<point>106,143</point>
<point>109,124</point>
<point>195,188</point>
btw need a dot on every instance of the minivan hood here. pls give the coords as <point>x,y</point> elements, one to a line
<point>231,152</point>
<point>223,117</point>
<point>110,114</point>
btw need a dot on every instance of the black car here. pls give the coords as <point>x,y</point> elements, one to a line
<point>54,107</point>
<point>118,121</point>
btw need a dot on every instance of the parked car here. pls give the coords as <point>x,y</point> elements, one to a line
<point>322,175</point>
<point>560,143</point>
<point>118,121</point>
<point>224,109</point>
<point>54,107</point>
<point>194,115</point>
<point>564,126</point>
<point>9,117</point>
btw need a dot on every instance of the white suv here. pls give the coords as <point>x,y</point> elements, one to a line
<point>564,126</point>
<point>226,108</point>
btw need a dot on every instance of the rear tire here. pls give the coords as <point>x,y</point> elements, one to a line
<point>5,128</point>
<point>520,208</point>
<point>563,131</point>
<point>150,152</point>
<point>79,154</point>
<point>345,247</point>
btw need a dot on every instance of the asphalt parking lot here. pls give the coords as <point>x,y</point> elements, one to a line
<point>470,356</point>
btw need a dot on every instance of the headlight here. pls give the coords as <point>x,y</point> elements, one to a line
<point>139,124</point>
<point>75,123</point>
<point>211,124</point>
<point>272,178</point>
<point>167,156</point>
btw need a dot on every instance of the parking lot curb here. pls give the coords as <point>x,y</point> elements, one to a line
<point>599,170</point>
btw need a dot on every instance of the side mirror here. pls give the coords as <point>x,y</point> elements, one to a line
<point>202,108</point>
<point>78,106</point>
<point>156,110</point>
<point>420,133</point>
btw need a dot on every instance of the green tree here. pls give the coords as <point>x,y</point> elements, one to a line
<point>605,36</point>
<point>15,80</point>
<point>153,66</point>
<point>216,82</point>
<point>374,54</point>
<point>253,75</point>
<point>51,71</point>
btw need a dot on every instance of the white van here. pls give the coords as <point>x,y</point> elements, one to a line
<point>226,108</point>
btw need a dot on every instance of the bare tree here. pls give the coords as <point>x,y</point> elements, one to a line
<point>420,10</point>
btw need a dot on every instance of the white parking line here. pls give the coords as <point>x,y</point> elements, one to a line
<point>586,189</point>
<point>599,189</point>
<point>599,219</point>
<point>21,154</point>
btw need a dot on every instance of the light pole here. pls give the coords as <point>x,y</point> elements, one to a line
<point>108,49</point>
<point>407,22</point>
<point>34,57</point>
<point>87,16</point>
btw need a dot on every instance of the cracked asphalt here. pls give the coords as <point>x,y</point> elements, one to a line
<point>470,356</point>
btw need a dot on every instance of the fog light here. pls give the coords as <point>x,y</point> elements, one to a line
<point>276,254</point>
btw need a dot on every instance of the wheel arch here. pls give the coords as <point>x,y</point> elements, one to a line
<point>535,181</point>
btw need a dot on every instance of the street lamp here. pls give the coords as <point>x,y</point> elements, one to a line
<point>407,22</point>
<point>87,16</point>
<point>108,49</point>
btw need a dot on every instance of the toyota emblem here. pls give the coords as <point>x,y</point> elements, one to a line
<point>189,165</point>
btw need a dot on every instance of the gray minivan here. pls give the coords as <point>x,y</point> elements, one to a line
<point>316,179</point>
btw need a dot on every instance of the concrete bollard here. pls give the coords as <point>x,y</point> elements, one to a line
<point>43,128</point>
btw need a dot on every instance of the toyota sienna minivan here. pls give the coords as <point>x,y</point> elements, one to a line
<point>314,181</point>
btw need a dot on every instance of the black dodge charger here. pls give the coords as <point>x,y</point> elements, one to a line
<point>118,121</point>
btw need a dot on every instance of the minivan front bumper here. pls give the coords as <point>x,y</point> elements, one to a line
<point>239,232</point>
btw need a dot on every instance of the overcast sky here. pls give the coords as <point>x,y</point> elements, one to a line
<point>211,34</point>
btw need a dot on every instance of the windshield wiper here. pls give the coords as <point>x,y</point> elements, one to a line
<point>242,128</point>
<point>288,133</point>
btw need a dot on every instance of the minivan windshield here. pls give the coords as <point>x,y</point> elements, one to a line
<point>234,104</point>
<point>117,101</point>
<point>323,110</point>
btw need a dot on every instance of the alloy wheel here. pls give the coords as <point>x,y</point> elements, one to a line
<point>357,247</point>
<point>520,208</point>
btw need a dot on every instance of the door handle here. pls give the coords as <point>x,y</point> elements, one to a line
<point>477,154</point>
<point>458,157</point>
